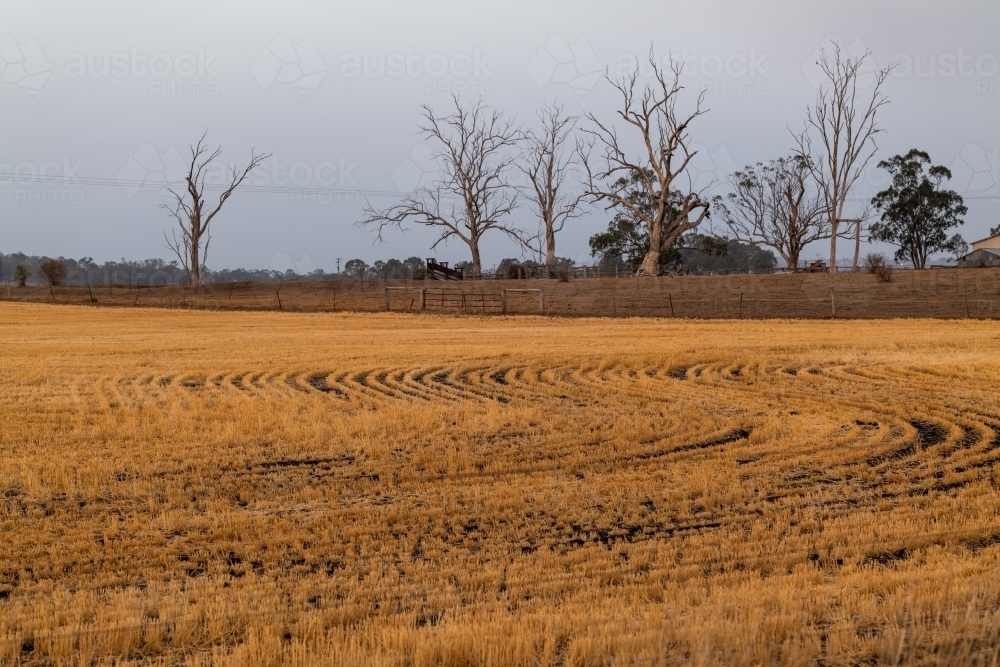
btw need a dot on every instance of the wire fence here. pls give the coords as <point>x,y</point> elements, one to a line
<point>704,298</point>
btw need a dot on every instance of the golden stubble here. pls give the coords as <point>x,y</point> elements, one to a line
<point>275,488</point>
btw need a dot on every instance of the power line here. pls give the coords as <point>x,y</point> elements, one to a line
<point>144,184</point>
<point>125,183</point>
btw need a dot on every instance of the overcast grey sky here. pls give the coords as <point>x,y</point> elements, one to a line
<point>96,96</point>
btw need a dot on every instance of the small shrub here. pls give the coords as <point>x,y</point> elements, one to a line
<point>876,265</point>
<point>21,274</point>
<point>52,271</point>
<point>420,273</point>
<point>562,273</point>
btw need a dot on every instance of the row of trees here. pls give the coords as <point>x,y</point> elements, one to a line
<point>638,168</point>
<point>479,149</point>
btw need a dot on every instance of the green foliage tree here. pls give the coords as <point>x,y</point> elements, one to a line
<point>414,265</point>
<point>356,268</point>
<point>916,211</point>
<point>627,237</point>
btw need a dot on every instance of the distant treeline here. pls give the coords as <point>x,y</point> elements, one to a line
<point>86,271</point>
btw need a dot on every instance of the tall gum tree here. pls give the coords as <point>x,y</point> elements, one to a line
<point>193,216</point>
<point>650,113</point>
<point>777,205</point>
<point>916,211</point>
<point>549,168</point>
<point>474,147</point>
<point>839,135</point>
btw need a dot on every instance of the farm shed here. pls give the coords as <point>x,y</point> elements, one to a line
<point>980,258</point>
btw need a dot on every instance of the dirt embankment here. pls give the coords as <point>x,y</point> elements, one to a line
<point>953,293</point>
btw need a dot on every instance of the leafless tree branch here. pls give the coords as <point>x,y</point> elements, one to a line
<point>190,212</point>
<point>844,124</point>
<point>651,111</point>
<point>776,205</point>
<point>475,148</point>
<point>549,168</point>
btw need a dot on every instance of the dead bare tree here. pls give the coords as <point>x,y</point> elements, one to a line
<point>472,195</point>
<point>776,205</point>
<point>844,121</point>
<point>191,213</point>
<point>549,167</point>
<point>859,225</point>
<point>651,110</point>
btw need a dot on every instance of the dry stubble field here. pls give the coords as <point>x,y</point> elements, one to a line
<point>383,489</point>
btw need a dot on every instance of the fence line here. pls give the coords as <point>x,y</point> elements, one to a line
<point>654,298</point>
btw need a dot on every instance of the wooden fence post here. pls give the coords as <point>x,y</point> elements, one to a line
<point>387,298</point>
<point>279,299</point>
<point>503,301</point>
<point>671,299</point>
<point>741,305</point>
<point>833,304</point>
<point>423,298</point>
<point>966,305</point>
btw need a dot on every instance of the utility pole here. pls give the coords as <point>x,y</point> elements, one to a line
<point>857,238</point>
<point>338,266</point>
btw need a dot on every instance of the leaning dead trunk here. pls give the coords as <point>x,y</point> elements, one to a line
<point>192,246</point>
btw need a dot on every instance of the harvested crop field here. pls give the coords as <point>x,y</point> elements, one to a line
<point>232,488</point>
